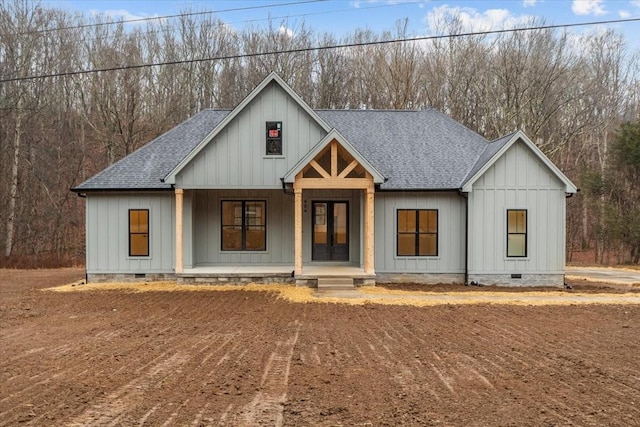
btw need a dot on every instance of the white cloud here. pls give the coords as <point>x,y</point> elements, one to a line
<point>473,20</point>
<point>588,7</point>
<point>125,15</point>
<point>286,31</point>
<point>624,14</point>
<point>529,3</point>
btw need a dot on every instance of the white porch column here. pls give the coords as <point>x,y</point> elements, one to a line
<point>369,231</point>
<point>298,231</point>
<point>179,242</point>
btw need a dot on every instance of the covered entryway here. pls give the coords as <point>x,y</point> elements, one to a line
<point>333,164</point>
<point>330,239</point>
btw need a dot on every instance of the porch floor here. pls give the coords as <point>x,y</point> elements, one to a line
<point>308,272</point>
<point>239,270</point>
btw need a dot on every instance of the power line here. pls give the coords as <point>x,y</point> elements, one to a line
<point>156,18</point>
<point>317,48</point>
<point>273,18</point>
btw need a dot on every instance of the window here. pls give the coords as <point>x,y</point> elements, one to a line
<point>516,232</point>
<point>274,138</point>
<point>138,232</point>
<point>417,232</point>
<point>244,226</point>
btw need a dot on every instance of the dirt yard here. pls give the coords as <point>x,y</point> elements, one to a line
<point>230,358</point>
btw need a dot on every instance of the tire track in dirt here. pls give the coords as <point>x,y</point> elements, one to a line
<point>267,406</point>
<point>570,395</point>
<point>110,410</point>
<point>350,366</point>
<point>203,368</point>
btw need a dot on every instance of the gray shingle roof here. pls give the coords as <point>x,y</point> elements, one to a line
<point>422,149</point>
<point>145,167</point>
<point>413,149</point>
<point>490,150</point>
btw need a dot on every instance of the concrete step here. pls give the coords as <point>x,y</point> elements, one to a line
<point>335,284</point>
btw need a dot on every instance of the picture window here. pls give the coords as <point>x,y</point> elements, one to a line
<point>244,225</point>
<point>417,232</point>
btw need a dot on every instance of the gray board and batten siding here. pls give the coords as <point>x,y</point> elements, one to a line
<point>206,248</point>
<point>517,180</point>
<point>108,229</point>
<point>236,157</point>
<point>451,224</point>
<point>107,235</point>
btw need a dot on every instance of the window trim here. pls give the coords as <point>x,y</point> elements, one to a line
<point>526,234</point>
<point>417,233</point>
<point>148,233</point>
<point>244,225</point>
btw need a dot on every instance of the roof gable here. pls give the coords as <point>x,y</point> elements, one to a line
<point>499,147</point>
<point>289,177</point>
<point>271,78</point>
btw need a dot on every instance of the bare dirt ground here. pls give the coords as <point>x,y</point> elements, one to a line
<point>235,358</point>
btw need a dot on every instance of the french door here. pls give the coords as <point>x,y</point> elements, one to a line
<point>330,231</point>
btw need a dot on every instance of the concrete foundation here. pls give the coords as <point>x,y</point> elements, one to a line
<point>425,278</point>
<point>129,277</point>
<point>234,280</point>
<point>518,279</point>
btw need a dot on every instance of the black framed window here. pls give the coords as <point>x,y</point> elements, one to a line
<point>138,232</point>
<point>244,225</point>
<point>516,232</point>
<point>274,139</point>
<point>417,232</point>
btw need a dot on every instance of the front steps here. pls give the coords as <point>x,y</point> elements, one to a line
<point>332,283</point>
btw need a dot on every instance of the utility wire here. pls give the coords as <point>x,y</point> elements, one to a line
<point>317,48</point>
<point>157,18</point>
<point>171,29</point>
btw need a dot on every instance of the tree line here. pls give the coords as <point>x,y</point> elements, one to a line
<point>576,96</point>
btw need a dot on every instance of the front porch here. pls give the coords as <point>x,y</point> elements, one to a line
<point>319,224</point>
<point>241,274</point>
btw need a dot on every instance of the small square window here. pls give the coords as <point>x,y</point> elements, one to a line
<point>274,139</point>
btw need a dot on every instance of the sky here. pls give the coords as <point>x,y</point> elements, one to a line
<point>341,17</point>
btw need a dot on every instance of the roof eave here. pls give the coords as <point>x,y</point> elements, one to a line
<point>79,190</point>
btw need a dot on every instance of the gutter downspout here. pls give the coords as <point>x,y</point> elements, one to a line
<point>466,236</point>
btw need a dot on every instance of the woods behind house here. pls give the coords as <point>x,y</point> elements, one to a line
<point>576,96</point>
